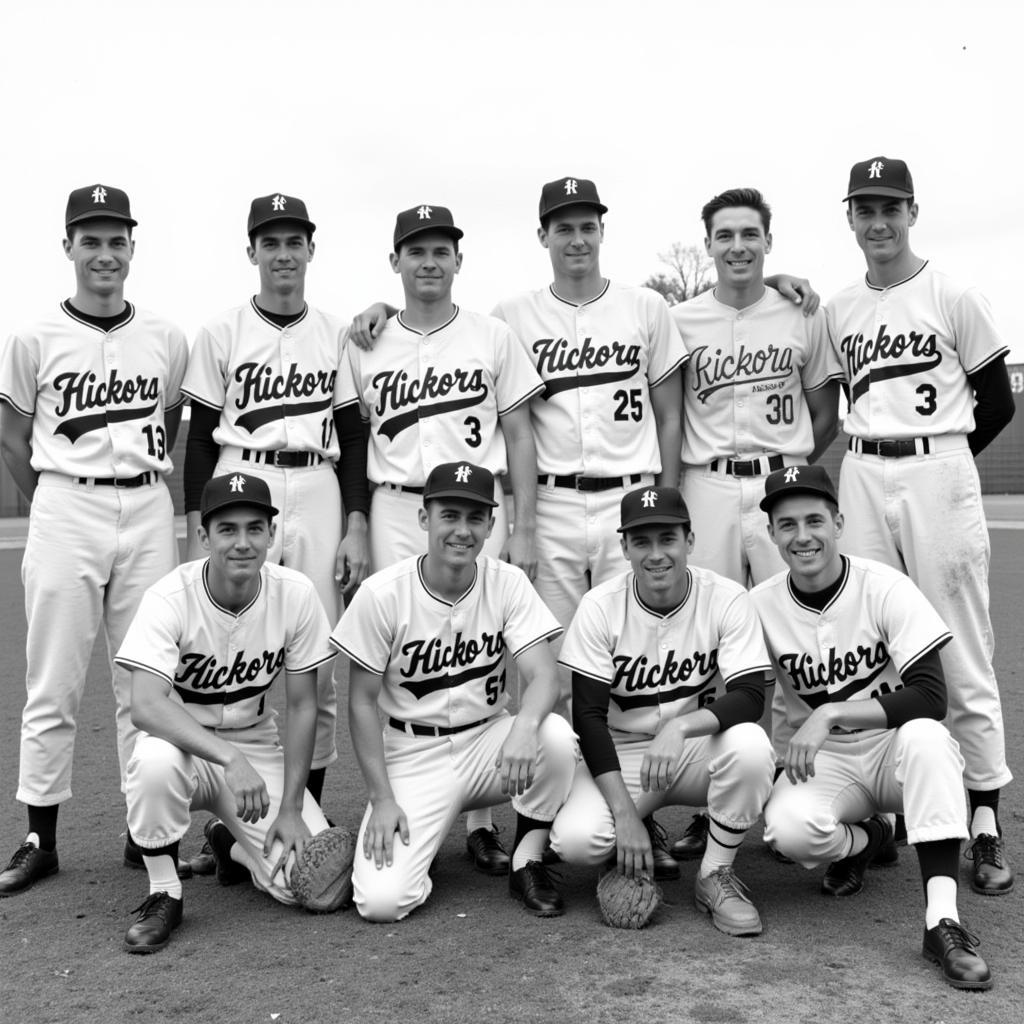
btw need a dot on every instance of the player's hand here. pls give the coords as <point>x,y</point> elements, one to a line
<point>386,818</point>
<point>252,801</point>
<point>291,832</point>
<point>517,760</point>
<point>804,747</point>
<point>366,327</point>
<point>352,563</point>
<point>658,768</point>
<point>635,858</point>
<point>796,289</point>
<point>521,551</point>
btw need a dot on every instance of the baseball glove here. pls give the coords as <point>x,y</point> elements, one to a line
<point>321,879</point>
<point>627,902</point>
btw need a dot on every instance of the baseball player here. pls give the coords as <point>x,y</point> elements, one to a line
<point>90,404</point>
<point>265,388</point>
<point>928,389</point>
<point>668,677</point>
<point>205,647</point>
<point>855,648</point>
<point>428,641</point>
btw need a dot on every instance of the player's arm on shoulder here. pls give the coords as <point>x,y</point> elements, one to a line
<point>367,326</point>
<point>522,467</point>
<point>386,817</point>
<point>16,448</point>
<point>823,405</point>
<point>797,289</point>
<point>995,406</point>
<point>201,455</point>
<point>153,711</point>
<point>352,562</point>
<point>667,405</point>
<point>172,422</point>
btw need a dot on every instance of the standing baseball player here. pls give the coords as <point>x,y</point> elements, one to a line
<point>265,388</point>
<point>204,650</point>
<point>855,647</point>
<point>90,404</point>
<point>428,640</point>
<point>668,677</point>
<point>924,368</point>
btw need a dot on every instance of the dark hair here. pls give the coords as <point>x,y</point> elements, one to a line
<point>737,197</point>
<point>72,228</point>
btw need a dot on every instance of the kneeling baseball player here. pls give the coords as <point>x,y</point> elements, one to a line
<point>668,681</point>
<point>204,649</point>
<point>855,647</point>
<point>428,639</point>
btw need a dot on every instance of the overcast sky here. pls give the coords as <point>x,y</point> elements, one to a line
<point>364,109</point>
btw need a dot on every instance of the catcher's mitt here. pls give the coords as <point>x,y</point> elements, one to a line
<point>627,902</point>
<point>321,879</point>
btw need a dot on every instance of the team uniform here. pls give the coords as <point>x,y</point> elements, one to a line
<point>658,666</point>
<point>221,666</point>
<point>744,415</point>
<point>909,480</point>
<point>593,424</point>
<point>445,700</point>
<point>430,398</point>
<point>277,389</point>
<point>101,528</point>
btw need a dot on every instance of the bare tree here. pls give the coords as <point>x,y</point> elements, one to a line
<point>690,273</point>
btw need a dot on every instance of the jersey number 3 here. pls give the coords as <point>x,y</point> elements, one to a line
<point>928,404</point>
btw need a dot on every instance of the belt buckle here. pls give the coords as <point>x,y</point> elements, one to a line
<point>122,485</point>
<point>576,484</point>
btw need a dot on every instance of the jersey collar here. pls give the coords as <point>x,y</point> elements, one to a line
<point>579,305</point>
<point>299,317</point>
<point>840,586</point>
<point>127,316</point>
<point>889,287</point>
<point>426,334</point>
<point>437,597</point>
<point>220,607</point>
<point>656,612</point>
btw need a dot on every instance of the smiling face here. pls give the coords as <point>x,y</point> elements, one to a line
<point>456,531</point>
<point>881,225</point>
<point>427,264</point>
<point>573,238</point>
<point>282,251</point>
<point>658,555</point>
<point>237,539</point>
<point>806,530</point>
<point>101,251</point>
<point>738,244</point>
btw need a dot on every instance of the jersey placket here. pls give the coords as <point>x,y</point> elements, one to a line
<point>426,348</point>
<point>589,399</point>
<point>121,445</point>
<point>742,436</point>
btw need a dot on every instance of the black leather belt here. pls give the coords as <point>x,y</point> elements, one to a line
<point>282,458</point>
<point>896,449</point>
<point>431,730</point>
<point>403,487</point>
<point>749,467</point>
<point>589,483</point>
<point>112,481</point>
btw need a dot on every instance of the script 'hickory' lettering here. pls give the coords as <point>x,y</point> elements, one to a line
<point>861,351</point>
<point>632,674</point>
<point>202,671</point>
<point>82,391</point>
<point>260,383</point>
<point>554,355</point>
<point>395,389</point>
<point>428,657</point>
<point>806,674</point>
<point>714,371</point>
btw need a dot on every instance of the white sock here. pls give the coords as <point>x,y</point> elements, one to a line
<point>723,845</point>
<point>163,875</point>
<point>33,838</point>
<point>530,848</point>
<point>940,900</point>
<point>480,818</point>
<point>983,822</point>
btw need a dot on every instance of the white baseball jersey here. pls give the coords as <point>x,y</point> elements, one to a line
<point>598,361</point>
<point>277,387</point>
<point>744,381</point>
<point>221,664</point>
<point>906,351</point>
<point>856,647</point>
<point>443,663</point>
<point>662,665</point>
<point>436,397</point>
<point>97,399</point>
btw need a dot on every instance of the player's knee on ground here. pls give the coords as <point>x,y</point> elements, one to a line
<point>741,771</point>
<point>387,895</point>
<point>580,836</point>
<point>795,829</point>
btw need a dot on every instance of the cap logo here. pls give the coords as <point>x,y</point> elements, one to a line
<point>278,202</point>
<point>424,212</point>
<point>792,474</point>
<point>237,483</point>
<point>649,499</point>
<point>875,170</point>
<point>571,186</point>
<point>99,194</point>
<point>462,474</point>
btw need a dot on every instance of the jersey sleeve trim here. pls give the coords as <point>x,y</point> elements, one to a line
<point>767,669</point>
<point>549,635</point>
<point>988,360</point>
<point>583,672</point>
<point>175,405</point>
<point>192,397</point>
<point>312,666</point>
<point>128,663</point>
<point>4,397</point>
<point>837,375</point>
<point>525,398</point>
<point>353,657</point>
<point>668,373</point>
<point>936,645</point>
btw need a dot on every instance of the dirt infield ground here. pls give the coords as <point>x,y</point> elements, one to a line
<point>471,954</point>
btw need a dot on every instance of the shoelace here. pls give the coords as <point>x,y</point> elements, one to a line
<point>987,849</point>
<point>956,936</point>
<point>731,885</point>
<point>21,856</point>
<point>657,833</point>
<point>154,905</point>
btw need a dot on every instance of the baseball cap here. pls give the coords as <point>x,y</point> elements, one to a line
<point>232,489</point>
<point>278,206</point>
<point>784,483</point>
<point>424,218</point>
<point>880,176</point>
<point>647,505</point>
<point>95,201</point>
<point>569,192</point>
<point>461,480</point>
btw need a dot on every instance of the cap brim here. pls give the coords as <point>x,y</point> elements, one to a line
<point>440,229</point>
<point>277,220</point>
<point>879,190</point>
<point>770,500</point>
<point>600,207</point>
<point>654,521</point>
<point>105,215</point>
<point>473,499</point>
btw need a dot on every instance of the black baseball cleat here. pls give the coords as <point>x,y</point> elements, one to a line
<point>229,872</point>
<point>991,874</point>
<point>204,862</point>
<point>846,877</point>
<point>133,859</point>
<point>26,867</point>
<point>952,947</point>
<point>694,840</point>
<point>159,914</point>
<point>486,852</point>
<point>665,867</point>
<point>533,885</point>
